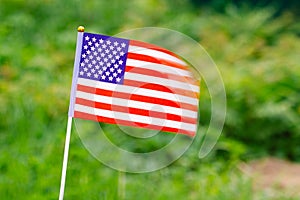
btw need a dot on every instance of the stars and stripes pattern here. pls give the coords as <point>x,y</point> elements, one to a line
<point>133,83</point>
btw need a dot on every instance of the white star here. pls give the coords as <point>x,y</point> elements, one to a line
<point>113,61</point>
<point>105,59</point>
<point>88,74</point>
<point>111,69</point>
<point>88,52</point>
<point>116,65</point>
<point>96,75</point>
<point>95,53</point>
<point>101,41</point>
<point>82,64</point>
<point>104,46</point>
<point>91,57</point>
<point>90,43</point>
<point>106,51</point>
<point>97,67</point>
<point>120,62</point>
<point>81,73</point>
<point>115,74</point>
<point>98,58</point>
<point>117,57</point>
<point>89,65</point>
<point>107,73</point>
<point>100,72</point>
<point>87,38</point>
<point>110,78</point>
<point>119,48</point>
<point>83,55</point>
<point>85,69</point>
<point>99,49</point>
<point>93,70</point>
<point>102,54</point>
<point>94,39</point>
<point>104,68</point>
<point>119,71</point>
<point>108,42</point>
<point>109,56</point>
<point>111,47</point>
<point>101,63</point>
<point>114,52</point>
<point>116,43</point>
<point>97,44</point>
<point>122,53</point>
<point>123,45</point>
<point>86,60</point>
<point>102,77</point>
<point>93,48</point>
<point>108,64</point>
<point>94,62</point>
<point>118,79</point>
<point>85,46</point>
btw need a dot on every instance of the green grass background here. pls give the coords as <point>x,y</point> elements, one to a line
<point>256,48</point>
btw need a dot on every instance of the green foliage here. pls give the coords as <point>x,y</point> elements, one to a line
<point>280,5</point>
<point>256,53</point>
<point>259,64</point>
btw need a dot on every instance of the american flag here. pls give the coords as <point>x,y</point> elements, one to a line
<point>132,83</point>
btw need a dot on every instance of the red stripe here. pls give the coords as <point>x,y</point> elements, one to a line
<point>136,97</point>
<point>152,47</point>
<point>161,88</point>
<point>146,58</point>
<point>136,111</point>
<point>86,116</point>
<point>156,73</point>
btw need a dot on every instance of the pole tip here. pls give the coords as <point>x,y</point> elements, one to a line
<point>80,29</point>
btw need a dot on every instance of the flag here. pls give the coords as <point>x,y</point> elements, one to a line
<point>133,83</point>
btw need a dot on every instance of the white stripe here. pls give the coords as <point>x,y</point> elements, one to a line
<point>138,91</point>
<point>157,67</point>
<point>161,81</point>
<point>136,104</point>
<point>135,118</point>
<point>155,53</point>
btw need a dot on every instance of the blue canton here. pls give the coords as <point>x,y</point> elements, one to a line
<point>103,58</point>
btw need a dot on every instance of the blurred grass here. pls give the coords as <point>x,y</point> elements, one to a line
<point>257,54</point>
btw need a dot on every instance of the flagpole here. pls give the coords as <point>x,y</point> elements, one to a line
<point>65,162</point>
<point>71,113</point>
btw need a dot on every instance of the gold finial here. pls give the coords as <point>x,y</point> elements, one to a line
<point>80,29</point>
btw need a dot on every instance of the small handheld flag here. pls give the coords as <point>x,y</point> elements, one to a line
<point>132,83</point>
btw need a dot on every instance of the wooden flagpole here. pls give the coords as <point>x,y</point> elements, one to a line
<point>71,113</point>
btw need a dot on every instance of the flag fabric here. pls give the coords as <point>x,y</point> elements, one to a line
<point>133,83</point>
